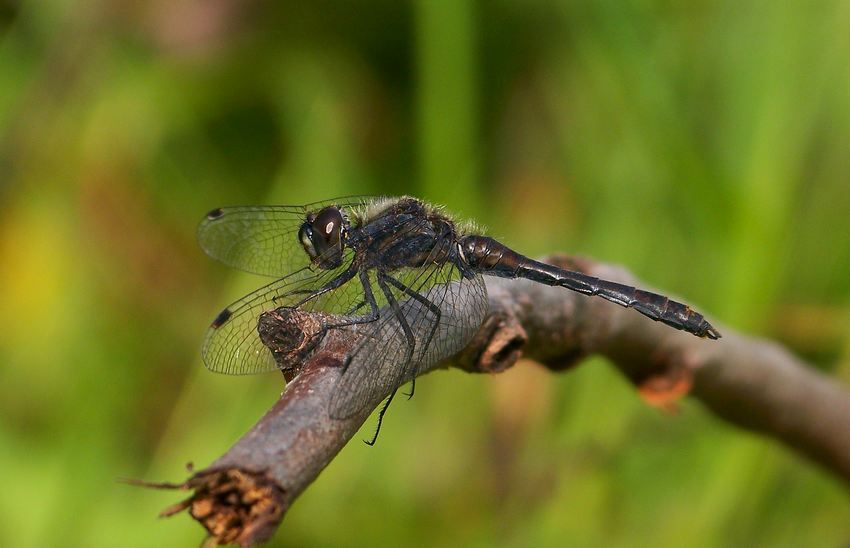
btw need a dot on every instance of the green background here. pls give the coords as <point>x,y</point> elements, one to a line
<point>704,145</point>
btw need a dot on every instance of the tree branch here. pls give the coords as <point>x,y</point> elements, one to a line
<point>752,383</point>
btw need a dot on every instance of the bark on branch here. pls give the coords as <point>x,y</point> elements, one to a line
<point>752,383</point>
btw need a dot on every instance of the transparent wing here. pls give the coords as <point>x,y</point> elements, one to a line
<point>443,310</point>
<point>262,239</point>
<point>232,344</point>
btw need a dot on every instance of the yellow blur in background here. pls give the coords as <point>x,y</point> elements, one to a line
<point>704,145</point>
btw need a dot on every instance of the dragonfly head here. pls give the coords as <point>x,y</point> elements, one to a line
<point>321,235</point>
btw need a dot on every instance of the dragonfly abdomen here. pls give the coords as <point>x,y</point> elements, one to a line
<point>658,307</point>
<point>491,257</point>
<point>488,256</point>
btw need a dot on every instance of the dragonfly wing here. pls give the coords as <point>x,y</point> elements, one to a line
<point>442,308</point>
<point>262,239</point>
<point>232,344</point>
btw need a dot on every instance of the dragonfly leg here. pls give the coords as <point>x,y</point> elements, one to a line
<point>411,345</point>
<point>336,283</point>
<point>405,327</point>
<point>357,307</point>
<point>380,419</point>
<point>368,299</point>
<point>429,305</point>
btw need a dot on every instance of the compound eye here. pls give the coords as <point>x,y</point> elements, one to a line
<point>328,225</point>
<point>324,234</point>
<point>305,235</point>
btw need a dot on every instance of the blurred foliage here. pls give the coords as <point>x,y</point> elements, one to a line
<point>702,144</point>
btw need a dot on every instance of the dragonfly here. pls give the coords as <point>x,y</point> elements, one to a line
<point>403,273</point>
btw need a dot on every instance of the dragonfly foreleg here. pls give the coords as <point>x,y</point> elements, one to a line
<point>357,307</point>
<point>336,283</point>
<point>368,299</point>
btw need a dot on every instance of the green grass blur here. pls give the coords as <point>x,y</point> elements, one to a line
<point>704,145</point>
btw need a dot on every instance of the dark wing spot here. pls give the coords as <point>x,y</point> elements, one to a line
<point>222,317</point>
<point>215,213</point>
